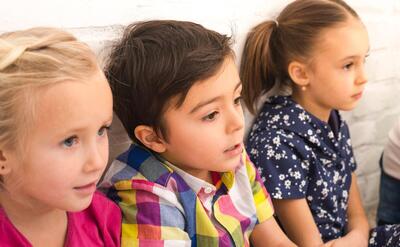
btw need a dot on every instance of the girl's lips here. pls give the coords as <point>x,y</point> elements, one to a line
<point>357,96</point>
<point>86,189</point>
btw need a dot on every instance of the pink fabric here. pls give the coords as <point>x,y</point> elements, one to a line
<point>98,225</point>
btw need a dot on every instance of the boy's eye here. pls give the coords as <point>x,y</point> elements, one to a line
<point>103,130</point>
<point>70,141</point>
<point>210,116</point>
<point>237,101</point>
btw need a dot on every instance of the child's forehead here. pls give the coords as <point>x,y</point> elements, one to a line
<point>347,39</point>
<point>223,84</point>
<point>72,103</point>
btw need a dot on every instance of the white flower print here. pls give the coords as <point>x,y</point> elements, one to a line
<point>305,164</point>
<point>253,151</point>
<point>286,117</point>
<point>324,192</point>
<point>297,175</point>
<point>287,184</point>
<point>276,118</point>
<point>305,157</point>
<point>276,141</point>
<point>313,139</point>
<point>335,177</point>
<point>302,116</point>
<point>277,194</point>
<point>270,153</point>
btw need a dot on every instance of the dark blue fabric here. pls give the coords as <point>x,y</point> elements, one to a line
<point>300,156</point>
<point>389,199</point>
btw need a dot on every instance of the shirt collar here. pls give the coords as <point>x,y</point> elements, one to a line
<point>161,169</point>
<point>195,183</point>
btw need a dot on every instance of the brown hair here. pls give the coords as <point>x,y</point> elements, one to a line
<point>272,45</point>
<point>31,59</point>
<point>156,61</point>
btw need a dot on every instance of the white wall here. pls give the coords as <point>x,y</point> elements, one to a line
<point>100,21</point>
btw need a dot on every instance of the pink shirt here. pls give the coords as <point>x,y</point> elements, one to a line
<point>98,225</point>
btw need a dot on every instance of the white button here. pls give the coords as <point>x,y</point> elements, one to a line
<point>208,190</point>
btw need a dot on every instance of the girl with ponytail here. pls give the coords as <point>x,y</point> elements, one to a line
<point>313,54</point>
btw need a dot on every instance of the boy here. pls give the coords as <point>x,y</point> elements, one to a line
<point>187,180</point>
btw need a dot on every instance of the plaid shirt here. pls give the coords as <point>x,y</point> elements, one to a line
<point>164,206</point>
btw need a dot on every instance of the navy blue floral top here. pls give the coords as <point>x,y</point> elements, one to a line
<point>300,156</point>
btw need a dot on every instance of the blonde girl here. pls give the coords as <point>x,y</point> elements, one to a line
<point>55,109</point>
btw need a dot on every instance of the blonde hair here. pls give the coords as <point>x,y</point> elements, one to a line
<point>32,59</point>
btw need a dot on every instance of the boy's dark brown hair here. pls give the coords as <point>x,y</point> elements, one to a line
<point>272,45</point>
<point>156,61</point>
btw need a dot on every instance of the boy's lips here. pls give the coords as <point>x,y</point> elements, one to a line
<point>234,150</point>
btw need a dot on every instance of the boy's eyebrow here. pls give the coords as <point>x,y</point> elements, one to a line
<point>201,104</point>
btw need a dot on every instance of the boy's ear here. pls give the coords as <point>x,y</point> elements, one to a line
<point>298,73</point>
<point>148,137</point>
<point>5,167</point>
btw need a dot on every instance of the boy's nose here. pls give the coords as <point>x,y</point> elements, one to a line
<point>235,121</point>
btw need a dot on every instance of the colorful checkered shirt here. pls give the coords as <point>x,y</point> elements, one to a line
<point>164,206</point>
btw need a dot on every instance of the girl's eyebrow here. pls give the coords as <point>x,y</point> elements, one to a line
<point>357,56</point>
<point>209,101</point>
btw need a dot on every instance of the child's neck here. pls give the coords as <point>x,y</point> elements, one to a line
<point>201,174</point>
<point>198,173</point>
<point>322,113</point>
<point>41,227</point>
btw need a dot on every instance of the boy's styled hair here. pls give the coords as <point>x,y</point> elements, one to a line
<point>273,44</point>
<point>156,61</point>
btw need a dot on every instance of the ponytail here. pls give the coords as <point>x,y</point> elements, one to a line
<point>256,68</point>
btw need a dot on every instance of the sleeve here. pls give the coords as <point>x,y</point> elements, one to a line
<point>262,201</point>
<point>282,162</point>
<point>151,216</point>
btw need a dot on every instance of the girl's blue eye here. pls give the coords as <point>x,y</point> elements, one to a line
<point>69,142</point>
<point>103,130</point>
<point>210,116</point>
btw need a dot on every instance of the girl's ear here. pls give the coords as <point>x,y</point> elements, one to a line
<point>148,137</point>
<point>298,73</point>
<point>5,167</point>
